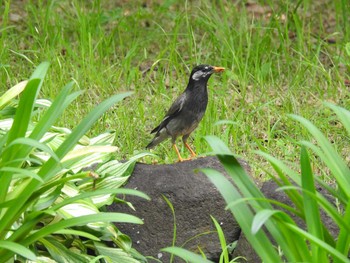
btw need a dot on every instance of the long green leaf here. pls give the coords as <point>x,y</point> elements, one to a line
<point>114,255</point>
<point>261,218</point>
<point>33,144</point>
<point>18,129</point>
<point>339,168</point>
<point>80,221</point>
<point>26,104</point>
<point>342,258</point>
<point>17,249</point>
<point>77,233</point>
<point>295,244</point>
<point>12,93</point>
<point>40,71</point>
<point>60,253</point>
<point>99,192</point>
<point>28,225</point>
<point>334,192</point>
<point>328,207</point>
<point>55,183</point>
<point>54,111</point>
<point>23,114</point>
<point>312,213</point>
<point>242,212</point>
<point>244,183</point>
<point>285,174</point>
<point>186,255</point>
<point>19,172</point>
<point>271,201</point>
<point>343,241</point>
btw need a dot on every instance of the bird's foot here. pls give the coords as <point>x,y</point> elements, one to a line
<point>186,159</point>
<point>180,159</point>
<point>193,154</point>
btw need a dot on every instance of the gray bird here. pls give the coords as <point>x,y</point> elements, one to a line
<point>187,110</point>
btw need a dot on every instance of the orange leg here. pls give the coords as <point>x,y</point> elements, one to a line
<point>178,153</point>
<point>193,154</point>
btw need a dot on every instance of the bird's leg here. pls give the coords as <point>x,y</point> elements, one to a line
<point>184,140</point>
<point>193,154</point>
<point>178,153</point>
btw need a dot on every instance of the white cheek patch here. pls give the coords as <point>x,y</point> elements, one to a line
<point>199,74</point>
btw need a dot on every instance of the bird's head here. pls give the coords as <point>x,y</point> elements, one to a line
<point>203,72</point>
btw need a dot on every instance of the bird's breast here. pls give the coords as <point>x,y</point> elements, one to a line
<point>190,115</point>
<point>188,120</point>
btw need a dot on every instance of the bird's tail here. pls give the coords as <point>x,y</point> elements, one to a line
<point>161,136</point>
<point>150,145</point>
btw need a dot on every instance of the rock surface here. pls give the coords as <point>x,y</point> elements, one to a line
<point>194,199</point>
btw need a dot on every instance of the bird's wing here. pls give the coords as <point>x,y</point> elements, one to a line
<point>174,110</point>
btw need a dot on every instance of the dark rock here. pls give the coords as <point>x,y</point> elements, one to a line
<point>194,199</point>
<point>244,253</point>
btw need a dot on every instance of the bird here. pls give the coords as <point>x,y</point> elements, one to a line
<point>187,110</point>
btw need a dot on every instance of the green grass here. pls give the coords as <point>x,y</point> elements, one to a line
<point>277,61</point>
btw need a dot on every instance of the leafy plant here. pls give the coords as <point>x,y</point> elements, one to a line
<point>253,211</point>
<point>50,206</point>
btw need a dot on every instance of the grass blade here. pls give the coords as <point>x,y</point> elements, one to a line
<point>174,223</point>
<point>343,114</point>
<point>222,240</point>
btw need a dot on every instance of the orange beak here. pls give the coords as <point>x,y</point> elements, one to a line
<point>218,69</point>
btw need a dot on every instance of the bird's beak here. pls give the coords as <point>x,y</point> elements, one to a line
<point>218,69</point>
